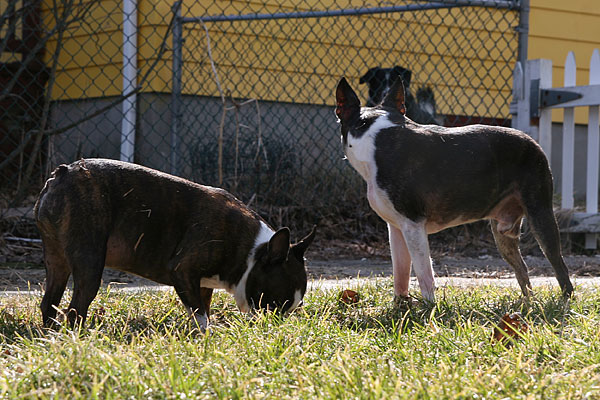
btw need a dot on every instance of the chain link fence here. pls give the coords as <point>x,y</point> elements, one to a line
<point>235,94</point>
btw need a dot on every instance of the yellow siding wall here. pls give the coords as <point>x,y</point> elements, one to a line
<point>315,65</point>
<point>8,57</point>
<point>557,27</point>
<point>89,60</point>
<point>299,70</point>
<point>90,63</point>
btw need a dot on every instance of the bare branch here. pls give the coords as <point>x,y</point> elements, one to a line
<point>61,25</point>
<point>11,15</point>
<point>37,144</point>
<point>212,62</point>
<point>102,110</point>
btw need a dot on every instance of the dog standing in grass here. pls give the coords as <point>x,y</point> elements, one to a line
<point>422,179</point>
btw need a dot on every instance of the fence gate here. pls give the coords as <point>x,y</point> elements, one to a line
<point>533,100</point>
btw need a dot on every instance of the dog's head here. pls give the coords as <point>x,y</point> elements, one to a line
<point>380,81</point>
<point>357,120</point>
<point>277,280</point>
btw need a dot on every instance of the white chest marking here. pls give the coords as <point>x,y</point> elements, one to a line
<point>239,291</point>
<point>361,154</point>
<point>214,282</point>
<point>361,151</point>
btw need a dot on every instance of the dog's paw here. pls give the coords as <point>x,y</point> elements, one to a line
<point>403,302</point>
<point>199,322</point>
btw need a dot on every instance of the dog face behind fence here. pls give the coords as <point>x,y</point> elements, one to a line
<point>380,80</point>
<point>421,109</point>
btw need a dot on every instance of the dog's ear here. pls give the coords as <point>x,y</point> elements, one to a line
<point>403,73</point>
<point>395,97</point>
<point>369,75</point>
<point>347,102</point>
<point>279,246</point>
<point>299,248</point>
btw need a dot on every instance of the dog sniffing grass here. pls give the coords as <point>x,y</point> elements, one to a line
<point>146,348</point>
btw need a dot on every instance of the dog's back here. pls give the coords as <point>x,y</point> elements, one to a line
<point>449,174</point>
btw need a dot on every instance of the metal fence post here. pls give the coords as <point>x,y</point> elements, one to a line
<point>519,107</point>
<point>523,30</point>
<point>130,54</point>
<point>176,90</point>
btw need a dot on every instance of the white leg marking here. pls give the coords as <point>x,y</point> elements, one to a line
<point>361,154</point>
<point>297,300</point>
<point>400,260</point>
<point>415,236</point>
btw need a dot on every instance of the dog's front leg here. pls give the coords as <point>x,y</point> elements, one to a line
<point>401,263</point>
<point>415,236</point>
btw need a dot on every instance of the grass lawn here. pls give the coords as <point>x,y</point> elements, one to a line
<point>142,346</point>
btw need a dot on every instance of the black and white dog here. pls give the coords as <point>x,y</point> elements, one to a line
<point>422,179</point>
<point>95,213</point>
<point>380,80</point>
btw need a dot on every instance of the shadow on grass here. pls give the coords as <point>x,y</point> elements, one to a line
<point>454,309</point>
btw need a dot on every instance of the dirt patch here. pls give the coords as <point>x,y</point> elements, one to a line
<point>464,267</point>
<point>467,252</point>
<point>335,259</point>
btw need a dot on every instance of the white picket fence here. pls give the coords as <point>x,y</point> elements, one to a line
<point>533,99</point>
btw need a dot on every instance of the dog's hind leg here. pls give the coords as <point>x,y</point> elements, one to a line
<point>57,274</point>
<point>400,262</point>
<point>508,246</point>
<point>87,264</point>
<point>545,230</point>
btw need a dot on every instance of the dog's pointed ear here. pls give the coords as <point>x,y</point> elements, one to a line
<point>279,246</point>
<point>395,97</point>
<point>300,248</point>
<point>403,73</point>
<point>347,101</point>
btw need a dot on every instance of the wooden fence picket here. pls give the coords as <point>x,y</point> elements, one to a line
<point>544,134</point>
<point>568,155</point>
<point>593,150</point>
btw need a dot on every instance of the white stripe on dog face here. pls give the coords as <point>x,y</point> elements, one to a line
<point>264,235</point>
<point>387,87</point>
